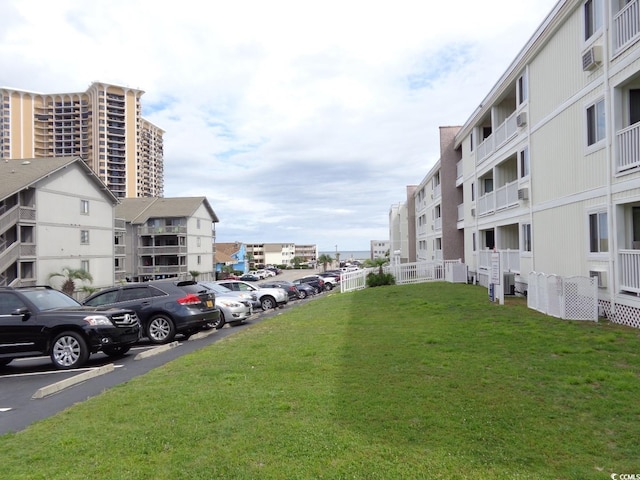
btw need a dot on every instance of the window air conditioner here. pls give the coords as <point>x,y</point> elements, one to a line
<point>523,194</point>
<point>601,277</point>
<point>521,119</point>
<point>592,58</point>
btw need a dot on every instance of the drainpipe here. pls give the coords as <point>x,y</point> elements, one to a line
<point>610,125</point>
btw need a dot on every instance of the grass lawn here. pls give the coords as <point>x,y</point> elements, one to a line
<point>426,381</point>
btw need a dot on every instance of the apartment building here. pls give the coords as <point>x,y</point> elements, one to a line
<point>550,161</point>
<point>168,237</point>
<point>279,253</point>
<point>379,249</point>
<point>54,215</point>
<point>103,125</point>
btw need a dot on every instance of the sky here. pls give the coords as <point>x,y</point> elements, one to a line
<point>301,122</point>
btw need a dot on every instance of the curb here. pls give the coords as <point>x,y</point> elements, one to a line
<point>202,334</point>
<point>156,350</point>
<point>62,384</point>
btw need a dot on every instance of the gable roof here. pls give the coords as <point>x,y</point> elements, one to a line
<point>18,174</point>
<point>139,210</point>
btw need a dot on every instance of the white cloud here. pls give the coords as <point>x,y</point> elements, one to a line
<point>301,122</point>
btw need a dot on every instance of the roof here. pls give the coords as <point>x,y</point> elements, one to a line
<point>18,174</point>
<point>139,210</point>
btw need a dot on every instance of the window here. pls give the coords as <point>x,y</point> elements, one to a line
<point>84,237</point>
<point>526,237</point>
<point>522,89</point>
<point>84,207</point>
<point>598,233</point>
<point>596,127</point>
<point>524,162</point>
<point>84,265</point>
<point>473,240</point>
<point>199,261</point>
<point>198,222</point>
<point>198,241</point>
<point>592,17</point>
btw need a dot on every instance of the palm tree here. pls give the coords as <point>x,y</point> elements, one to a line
<point>297,261</point>
<point>70,275</point>
<point>325,259</point>
<point>377,262</point>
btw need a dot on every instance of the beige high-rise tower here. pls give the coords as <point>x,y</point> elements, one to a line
<point>103,125</point>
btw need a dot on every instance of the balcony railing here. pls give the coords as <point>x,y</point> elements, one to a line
<point>459,173</point>
<point>501,135</point>
<point>163,250</point>
<point>628,140</point>
<point>503,197</point>
<point>166,230</point>
<point>162,270</point>
<point>461,212</point>
<point>437,223</point>
<point>509,260</point>
<point>630,270</point>
<point>626,26</point>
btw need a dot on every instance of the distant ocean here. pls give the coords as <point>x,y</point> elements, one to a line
<point>346,255</point>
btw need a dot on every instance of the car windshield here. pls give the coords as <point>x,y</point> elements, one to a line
<point>50,299</point>
<point>217,288</point>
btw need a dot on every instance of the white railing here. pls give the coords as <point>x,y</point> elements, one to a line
<point>437,191</point>
<point>8,219</point>
<point>626,26</point>
<point>163,250</point>
<point>437,223</point>
<point>628,141</point>
<point>505,131</point>
<point>509,260</point>
<point>630,270</point>
<point>502,197</point>
<point>461,212</point>
<point>168,229</point>
<point>459,172</point>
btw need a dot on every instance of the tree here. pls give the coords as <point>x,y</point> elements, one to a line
<point>70,275</point>
<point>194,274</point>
<point>379,279</point>
<point>377,262</point>
<point>325,259</point>
<point>297,261</point>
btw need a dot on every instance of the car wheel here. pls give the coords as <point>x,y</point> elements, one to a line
<point>316,290</point>
<point>267,303</point>
<point>5,361</point>
<point>116,351</point>
<point>302,295</point>
<point>328,286</point>
<point>69,350</point>
<point>218,324</point>
<point>160,329</point>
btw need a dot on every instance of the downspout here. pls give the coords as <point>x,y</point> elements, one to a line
<point>611,216</point>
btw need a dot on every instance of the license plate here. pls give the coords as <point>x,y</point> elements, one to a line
<point>209,304</point>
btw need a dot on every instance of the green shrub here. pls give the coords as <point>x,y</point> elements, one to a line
<point>379,279</point>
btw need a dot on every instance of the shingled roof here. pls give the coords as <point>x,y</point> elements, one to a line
<point>18,174</point>
<point>139,210</point>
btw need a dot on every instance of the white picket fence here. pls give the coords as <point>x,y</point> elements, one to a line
<point>570,298</point>
<point>405,273</point>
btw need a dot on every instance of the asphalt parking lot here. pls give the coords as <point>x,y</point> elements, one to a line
<point>31,389</point>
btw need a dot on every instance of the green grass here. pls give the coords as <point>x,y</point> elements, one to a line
<point>425,381</point>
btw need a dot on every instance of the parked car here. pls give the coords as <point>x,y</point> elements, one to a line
<point>250,277</point>
<point>275,270</point>
<point>268,297</point>
<point>316,282</point>
<point>164,307</point>
<point>289,287</point>
<point>305,290</point>
<point>40,321</point>
<point>235,307</point>
<point>261,274</point>
<point>331,281</point>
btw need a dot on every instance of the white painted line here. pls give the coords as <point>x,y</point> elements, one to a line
<point>156,351</point>
<point>62,384</point>
<point>5,409</point>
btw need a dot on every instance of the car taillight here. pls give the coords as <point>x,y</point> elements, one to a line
<point>190,299</point>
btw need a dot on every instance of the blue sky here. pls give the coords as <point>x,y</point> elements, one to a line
<point>301,122</point>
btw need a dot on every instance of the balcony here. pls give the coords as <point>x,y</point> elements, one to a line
<point>626,26</point>
<point>162,270</point>
<point>628,143</point>
<point>163,250</point>
<point>502,134</point>
<point>509,260</point>
<point>503,197</point>
<point>166,230</point>
<point>630,271</point>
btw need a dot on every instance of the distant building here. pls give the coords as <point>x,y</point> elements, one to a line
<point>231,254</point>
<point>103,125</point>
<point>279,253</point>
<point>380,249</point>
<point>168,237</point>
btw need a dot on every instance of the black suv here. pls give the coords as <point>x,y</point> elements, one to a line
<point>40,320</point>
<point>164,307</point>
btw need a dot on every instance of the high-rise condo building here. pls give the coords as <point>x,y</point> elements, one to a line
<point>103,125</point>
